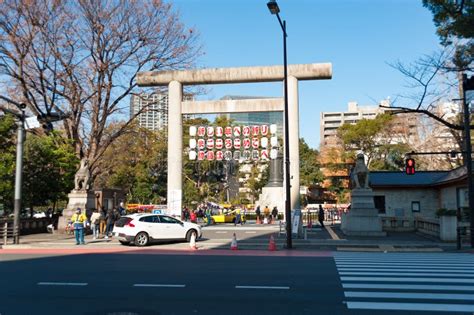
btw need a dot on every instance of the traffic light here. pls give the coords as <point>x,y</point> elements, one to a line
<point>410,166</point>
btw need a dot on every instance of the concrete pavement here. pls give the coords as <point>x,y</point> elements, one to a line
<point>251,236</point>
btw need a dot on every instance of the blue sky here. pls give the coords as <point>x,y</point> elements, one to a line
<point>359,38</point>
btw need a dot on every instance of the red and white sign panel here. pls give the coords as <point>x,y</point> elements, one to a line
<point>255,143</point>
<point>210,131</point>
<point>237,131</point>
<point>201,144</point>
<point>210,155</point>
<point>228,132</point>
<point>246,131</point>
<point>264,129</point>
<point>228,143</point>
<point>219,143</point>
<point>201,131</point>
<point>219,155</point>
<point>264,142</point>
<point>247,143</point>
<point>192,155</point>
<point>237,143</point>
<point>264,155</point>
<point>192,143</point>
<point>192,131</point>
<point>219,131</point>
<point>201,155</point>
<point>255,130</point>
<point>210,143</point>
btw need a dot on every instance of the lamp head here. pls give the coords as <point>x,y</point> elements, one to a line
<point>273,7</point>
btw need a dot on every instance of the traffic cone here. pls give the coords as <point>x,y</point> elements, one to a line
<point>272,245</point>
<point>192,242</point>
<point>233,245</point>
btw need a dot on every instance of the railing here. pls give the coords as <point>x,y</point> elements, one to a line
<point>6,232</point>
<point>428,226</point>
<point>390,223</point>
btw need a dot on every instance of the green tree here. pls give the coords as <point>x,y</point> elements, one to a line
<point>310,172</point>
<point>49,167</point>
<point>379,139</point>
<point>7,160</point>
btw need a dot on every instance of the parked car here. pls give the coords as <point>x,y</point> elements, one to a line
<point>143,228</point>
<point>228,217</point>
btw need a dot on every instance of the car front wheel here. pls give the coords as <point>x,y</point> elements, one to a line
<point>141,239</point>
<point>190,233</point>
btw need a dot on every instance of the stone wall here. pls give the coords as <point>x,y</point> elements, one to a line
<point>400,200</point>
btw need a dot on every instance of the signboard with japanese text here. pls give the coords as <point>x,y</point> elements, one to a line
<point>238,143</point>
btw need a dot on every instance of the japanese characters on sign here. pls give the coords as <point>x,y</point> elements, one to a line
<point>256,142</point>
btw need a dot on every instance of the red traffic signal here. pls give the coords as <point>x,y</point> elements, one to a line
<point>410,166</point>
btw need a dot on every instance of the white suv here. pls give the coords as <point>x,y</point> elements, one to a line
<point>143,228</point>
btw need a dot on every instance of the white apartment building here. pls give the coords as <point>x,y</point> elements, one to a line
<point>331,121</point>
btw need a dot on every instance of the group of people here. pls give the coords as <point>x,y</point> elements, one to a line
<point>268,216</point>
<point>101,222</point>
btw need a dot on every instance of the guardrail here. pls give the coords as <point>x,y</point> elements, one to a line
<point>6,232</point>
<point>428,226</point>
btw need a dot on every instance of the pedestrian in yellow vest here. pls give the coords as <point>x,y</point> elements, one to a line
<point>79,220</point>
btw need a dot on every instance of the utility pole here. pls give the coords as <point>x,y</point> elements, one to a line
<point>468,85</point>
<point>18,175</point>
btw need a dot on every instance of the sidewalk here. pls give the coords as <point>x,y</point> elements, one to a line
<point>317,239</point>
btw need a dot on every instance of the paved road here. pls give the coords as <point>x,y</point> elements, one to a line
<point>149,283</point>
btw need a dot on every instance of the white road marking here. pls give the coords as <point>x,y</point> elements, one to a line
<point>399,279</point>
<point>411,295</point>
<point>251,232</point>
<point>64,283</point>
<point>152,285</point>
<point>411,306</point>
<point>221,232</point>
<point>261,287</point>
<point>411,274</point>
<point>427,270</point>
<point>408,287</point>
<point>397,264</point>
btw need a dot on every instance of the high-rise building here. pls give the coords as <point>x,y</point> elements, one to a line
<point>154,110</point>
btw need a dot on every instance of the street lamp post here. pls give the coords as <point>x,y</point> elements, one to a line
<point>18,175</point>
<point>274,9</point>
<point>468,85</point>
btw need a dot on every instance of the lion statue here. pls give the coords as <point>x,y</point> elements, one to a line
<point>360,173</point>
<point>81,180</point>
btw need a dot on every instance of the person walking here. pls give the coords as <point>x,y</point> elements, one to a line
<point>257,214</point>
<point>274,214</point>
<point>110,222</point>
<point>321,216</point>
<point>102,221</point>
<point>238,219</point>
<point>266,214</point>
<point>79,220</point>
<point>95,222</point>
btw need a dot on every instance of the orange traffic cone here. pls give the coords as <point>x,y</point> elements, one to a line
<point>233,245</point>
<point>192,242</point>
<point>272,245</point>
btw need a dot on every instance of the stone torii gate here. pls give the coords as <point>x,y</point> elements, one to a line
<point>176,108</point>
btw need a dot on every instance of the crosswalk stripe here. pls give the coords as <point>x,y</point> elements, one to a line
<point>426,270</point>
<point>413,274</point>
<point>405,265</point>
<point>387,286</point>
<point>411,295</point>
<point>411,306</point>
<point>388,279</point>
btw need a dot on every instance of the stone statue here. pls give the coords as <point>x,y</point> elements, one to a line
<point>360,173</point>
<point>81,180</point>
